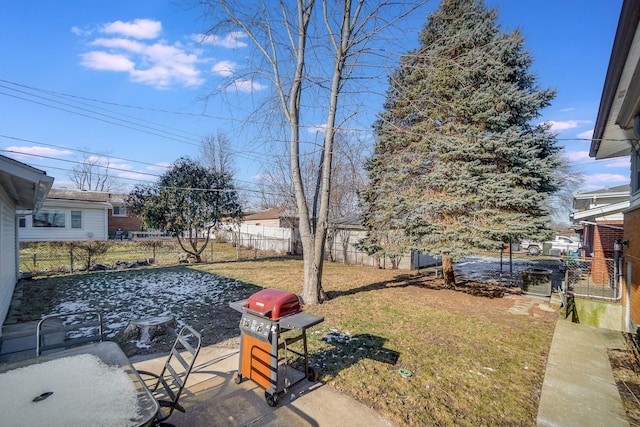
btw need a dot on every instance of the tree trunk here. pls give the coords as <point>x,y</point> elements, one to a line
<point>447,272</point>
<point>312,279</point>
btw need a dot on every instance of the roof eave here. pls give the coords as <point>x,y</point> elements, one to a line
<point>605,122</point>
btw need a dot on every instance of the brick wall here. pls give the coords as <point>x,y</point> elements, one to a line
<point>124,223</point>
<point>632,255</point>
<point>603,240</point>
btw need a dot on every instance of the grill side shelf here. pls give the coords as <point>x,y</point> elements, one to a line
<point>300,321</point>
<point>240,306</point>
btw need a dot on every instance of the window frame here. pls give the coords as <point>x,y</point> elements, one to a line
<point>80,219</point>
<point>40,218</point>
<point>122,211</point>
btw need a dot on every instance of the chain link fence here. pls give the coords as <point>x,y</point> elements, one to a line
<point>47,258</point>
<point>583,276</point>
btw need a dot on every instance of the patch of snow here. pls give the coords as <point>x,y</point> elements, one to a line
<point>123,297</point>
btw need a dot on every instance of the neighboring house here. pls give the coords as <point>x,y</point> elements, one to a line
<point>272,229</point>
<point>600,213</point>
<point>346,232</point>
<point>120,224</point>
<point>616,134</point>
<point>69,214</point>
<point>600,216</point>
<point>277,229</point>
<point>22,190</point>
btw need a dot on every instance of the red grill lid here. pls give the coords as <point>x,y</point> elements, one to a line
<point>274,303</point>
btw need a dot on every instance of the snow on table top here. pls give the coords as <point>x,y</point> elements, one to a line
<point>86,391</point>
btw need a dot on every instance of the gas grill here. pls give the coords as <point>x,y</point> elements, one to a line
<point>266,315</point>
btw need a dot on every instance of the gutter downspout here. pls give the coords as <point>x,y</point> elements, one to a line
<point>627,309</point>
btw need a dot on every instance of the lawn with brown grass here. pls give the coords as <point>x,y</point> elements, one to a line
<point>471,361</point>
<point>397,341</point>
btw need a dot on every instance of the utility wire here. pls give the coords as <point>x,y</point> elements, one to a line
<point>80,151</point>
<point>100,166</point>
<point>108,119</point>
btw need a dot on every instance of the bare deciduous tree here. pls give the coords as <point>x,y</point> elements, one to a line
<point>217,153</point>
<point>335,35</point>
<point>560,204</point>
<point>92,174</point>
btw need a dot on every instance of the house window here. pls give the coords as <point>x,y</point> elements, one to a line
<point>22,222</point>
<point>48,218</point>
<point>119,211</point>
<point>76,219</point>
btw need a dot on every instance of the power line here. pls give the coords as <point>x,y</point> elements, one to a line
<point>109,119</point>
<point>77,162</point>
<point>143,108</point>
<point>102,166</point>
<point>79,150</point>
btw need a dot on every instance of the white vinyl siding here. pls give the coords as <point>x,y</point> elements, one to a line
<point>8,253</point>
<point>80,224</point>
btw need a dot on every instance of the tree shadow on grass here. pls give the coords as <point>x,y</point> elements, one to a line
<point>419,280</point>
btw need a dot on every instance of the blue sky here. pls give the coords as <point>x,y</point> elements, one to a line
<point>128,79</point>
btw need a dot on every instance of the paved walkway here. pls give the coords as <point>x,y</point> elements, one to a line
<point>579,388</point>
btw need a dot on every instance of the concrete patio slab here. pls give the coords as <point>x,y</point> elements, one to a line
<point>212,398</point>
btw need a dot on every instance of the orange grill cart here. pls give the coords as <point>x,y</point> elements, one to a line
<point>265,316</point>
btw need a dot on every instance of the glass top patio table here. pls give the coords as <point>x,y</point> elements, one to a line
<point>94,384</point>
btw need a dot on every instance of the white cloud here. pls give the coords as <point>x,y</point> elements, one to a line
<point>224,68</point>
<point>125,166</point>
<point>566,110</point>
<point>618,162</point>
<point>232,40</point>
<point>24,152</point>
<point>138,28</point>
<point>583,157</point>
<point>602,180</point>
<point>317,128</point>
<point>577,156</point>
<point>587,134</point>
<point>98,160</point>
<point>80,32</point>
<point>156,64</point>
<point>168,65</point>
<point>119,44</point>
<point>247,86</point>
<point>560,126</point>
<point>99,60</point>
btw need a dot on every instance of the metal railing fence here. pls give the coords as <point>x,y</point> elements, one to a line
<point>583,276</point>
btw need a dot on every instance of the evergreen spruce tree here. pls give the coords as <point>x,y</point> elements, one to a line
<point>458,163</point>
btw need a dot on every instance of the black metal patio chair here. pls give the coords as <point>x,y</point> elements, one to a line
<point>169,384</point>
<point>61,331</point>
